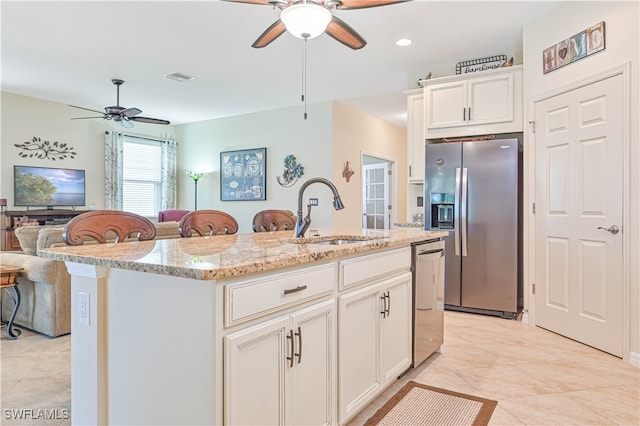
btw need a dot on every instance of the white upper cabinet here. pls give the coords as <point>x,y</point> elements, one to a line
<point>473,104</point>
<point>415,135</point>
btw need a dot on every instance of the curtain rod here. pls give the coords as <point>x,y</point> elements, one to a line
<point>106,132</point>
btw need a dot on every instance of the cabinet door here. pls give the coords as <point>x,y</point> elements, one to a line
<point>445,105</point>
<point>254,374</point>
<point>313,377</point>
<point>359,343</point>
<point>415,137</point>
<point>396,327</point>
<point>490,99</point>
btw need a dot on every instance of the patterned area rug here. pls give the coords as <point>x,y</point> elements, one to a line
<point>418,404</point>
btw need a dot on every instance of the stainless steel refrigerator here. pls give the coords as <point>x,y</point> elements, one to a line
<point>473,189</point>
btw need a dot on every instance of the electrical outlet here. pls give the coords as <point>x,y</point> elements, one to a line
<point>313,201</point>
<point>83,308</point>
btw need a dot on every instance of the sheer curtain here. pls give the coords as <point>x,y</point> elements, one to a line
<point>113,170</point>
<point>168,173</point>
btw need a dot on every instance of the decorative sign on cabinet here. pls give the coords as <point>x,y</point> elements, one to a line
<point>464,105</point>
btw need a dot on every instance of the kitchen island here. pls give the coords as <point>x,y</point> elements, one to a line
<point>252,328</point>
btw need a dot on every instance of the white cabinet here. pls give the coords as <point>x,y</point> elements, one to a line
<point>472,104</point>
<point>374,339</point>
<point>283,371</point>
<point>415,135</point>
<point>396,327</point>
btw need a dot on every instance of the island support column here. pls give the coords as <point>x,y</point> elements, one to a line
<point>88,344</point>
<point>146,348</point>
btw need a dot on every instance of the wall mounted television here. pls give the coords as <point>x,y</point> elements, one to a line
<point>48,187</point>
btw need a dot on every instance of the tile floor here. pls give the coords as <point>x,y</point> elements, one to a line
<point>537,377</point>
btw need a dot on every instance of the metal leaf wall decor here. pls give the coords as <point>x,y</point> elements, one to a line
<point>292,171</point>
<point>37,148</point>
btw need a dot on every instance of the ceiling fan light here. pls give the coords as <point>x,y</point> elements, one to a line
<point>306,20</point>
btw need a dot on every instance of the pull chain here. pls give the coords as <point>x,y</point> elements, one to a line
<point>304,77</point>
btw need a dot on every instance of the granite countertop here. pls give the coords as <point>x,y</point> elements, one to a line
<point>223,256</point>
<point>410,224</point>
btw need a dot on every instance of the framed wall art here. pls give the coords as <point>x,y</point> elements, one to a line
<point>242,175</point>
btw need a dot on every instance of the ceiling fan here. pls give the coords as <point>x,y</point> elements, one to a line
<point>125,116</point>
<point>293,11</point>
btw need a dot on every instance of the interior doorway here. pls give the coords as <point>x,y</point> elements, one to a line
<point>377,193</point>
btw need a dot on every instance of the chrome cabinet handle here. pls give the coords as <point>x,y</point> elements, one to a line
<point>383,297</point>
<point>290,358</point>
<point>295,290</point>
<point>299,354</point>
<point>613,229</point>
<point>388,303</point>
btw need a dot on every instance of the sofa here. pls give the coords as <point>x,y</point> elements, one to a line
<point>45,284</point>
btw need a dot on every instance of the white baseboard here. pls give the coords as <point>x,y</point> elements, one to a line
<point>634,359</point>
<point>525,317</point>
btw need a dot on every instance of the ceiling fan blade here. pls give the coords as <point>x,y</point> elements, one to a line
<point>148,120</point>
<point>129,112</point>
<point>270,34</point>
<point>267,2</point>
<point>363,4</point>
<point>84,118</point>
<point>87,109</point>
<point>341,31</point>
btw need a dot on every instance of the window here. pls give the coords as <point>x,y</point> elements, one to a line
<point>142,176</point>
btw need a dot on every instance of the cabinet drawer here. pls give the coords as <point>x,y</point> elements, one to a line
<point>374,266</point>
<point>251,299</point>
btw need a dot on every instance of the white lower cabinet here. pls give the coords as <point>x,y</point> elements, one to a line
<point>283,371</point>
<point>374,338</point>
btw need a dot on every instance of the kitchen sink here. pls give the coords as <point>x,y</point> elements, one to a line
<point>334,240</point>
<point>337,242</point>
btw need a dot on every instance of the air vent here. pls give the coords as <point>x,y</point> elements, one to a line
<point>179,77</point>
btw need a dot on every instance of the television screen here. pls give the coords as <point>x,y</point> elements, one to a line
<point>45,186</point>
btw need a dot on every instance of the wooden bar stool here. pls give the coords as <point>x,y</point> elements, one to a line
<point>103,225</point>
<point>207,223</point>
<point>274,220</point>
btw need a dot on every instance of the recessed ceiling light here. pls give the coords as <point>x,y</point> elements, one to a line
<point>403,42</point>
<point>179,77</point>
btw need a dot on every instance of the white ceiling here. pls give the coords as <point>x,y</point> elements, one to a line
<point>69,51</point>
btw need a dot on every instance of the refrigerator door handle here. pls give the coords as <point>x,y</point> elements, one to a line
<point>464,211</point>
<point>456,214</point>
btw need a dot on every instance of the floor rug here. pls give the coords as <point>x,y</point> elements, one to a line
<point>418,404</point>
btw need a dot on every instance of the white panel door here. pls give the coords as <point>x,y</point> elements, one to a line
<point>313,374</point>
<point>255,374</point>
<point>359,343</point>
<point>396,326</point>
<point>578,221</point>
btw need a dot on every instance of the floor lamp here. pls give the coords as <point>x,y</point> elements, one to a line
<point>196,176</point>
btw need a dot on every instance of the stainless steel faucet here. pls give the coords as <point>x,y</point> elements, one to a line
<point>303,223</point>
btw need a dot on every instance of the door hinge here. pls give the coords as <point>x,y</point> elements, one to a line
<point>389,172</point>
<point>533,288</point>
<point>533,126</point>
<point>533,208</point>
<point>389,207</point>
<point>409,171</point>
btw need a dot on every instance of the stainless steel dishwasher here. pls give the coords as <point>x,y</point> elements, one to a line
<point>428,299</point>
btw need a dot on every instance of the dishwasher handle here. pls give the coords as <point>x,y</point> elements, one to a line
<point>433,251</point>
